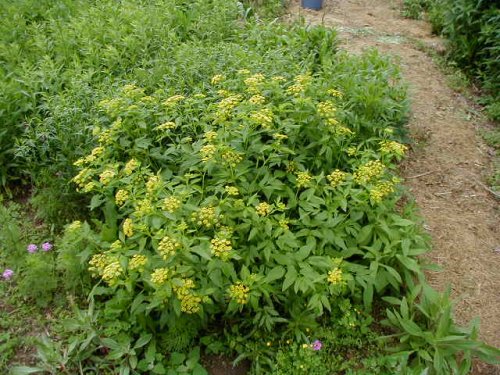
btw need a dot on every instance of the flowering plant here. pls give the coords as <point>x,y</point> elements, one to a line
<point>244,204</point>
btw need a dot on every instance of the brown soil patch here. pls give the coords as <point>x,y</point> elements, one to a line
<point>446,169</point>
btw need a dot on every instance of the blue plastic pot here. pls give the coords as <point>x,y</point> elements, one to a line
<point>312,4</point>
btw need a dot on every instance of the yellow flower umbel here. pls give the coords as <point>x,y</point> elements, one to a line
<point>168,247</point>
<point>210,136</point>
<point>205,216</point>
<point>257,99</point>
<point>253,83</point>
<point>336,177</point>
<point>303,179</point>
<point>226,105</point>
<point>264,118</point>
<point>381,190</point>
<point>171,204</point>
<point>169,125</point>
<point>335,93</point>
<point>208,152</point>
<point>218,78</point>
<point>112,272</point>
<point>335,276</point>
<point>97,264</point>
<point>263,209</point>
<point>190,302</point>
<point>131,165</point>
<point>143,208</point>
<point>107,176</point>
<point>231,158</point>
<point>121,197</point>
<point>392,147</point>
<point>231,190</point>
<point>221,248</point>
<point>83,177</point>
<point>128,227</point>
<point>173,100</point>
<point>153,184</point>
<point>295,89</point>
<point>159,276</point>
<point>239,293</point>
<point>327,109</point>
<point>74,226</point>
<point>369,171</point>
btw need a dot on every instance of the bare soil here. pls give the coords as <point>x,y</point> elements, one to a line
<point>446,168</point>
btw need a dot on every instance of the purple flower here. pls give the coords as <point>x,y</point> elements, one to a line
<point>32,248</point>
<point>47,246</point>
<point>316,345</point>
<point>7,274</point>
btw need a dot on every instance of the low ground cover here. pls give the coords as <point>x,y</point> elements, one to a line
<point>242,200</point>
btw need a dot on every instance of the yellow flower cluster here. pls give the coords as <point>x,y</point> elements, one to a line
<point>336,177</point>
<point>217,79</point>
<point>278,79</point>
<point>89,187</point>
<point>264,117</point>
<point>257,99</point>
<point>205,216</point>
<point>231,190</point>
<point>280,137</point>
<point>226,105</point>
<point>97,263</point>
<point>83,177</point>
<point>351,151</point>
<point>159,276</point>
<point>263,209</point>
<point>224,93</point>
<point>112,272</point>
<point>327,109</point>
<point>153,184</point>
<point>117,245</point>
<point>239,293</point>
<point>190,302</point>
<point>74,226</point>
<point>143,208</point>
<point>231,158</point>
<point>167,247</point>
<point>335,93</point>
<point>221,248</point>
<point>210,136</point>
<point>392,147</point>
<point>284,224</point>
<point>107,176</point>
<point>335,276</point>
<point>131,165</point>
<point>303,179</point>
<point>173,100</point>
<point>243,71</point>
<point>96,152</point>
<point>132,91</point>
<point>207,152</point>
<point>106,137</point>
<point>369,171</point>
<point>167,126</point>
<point>171,204</point>
<point>128,227</point>
<point>381,190</point>
<point>295,89</point>
<point>112,106</point>
<point>303,79</point>
<point>121,197</point>
<point>253,82</point>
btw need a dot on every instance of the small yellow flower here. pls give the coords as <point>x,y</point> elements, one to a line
<point>295,89</point>
<point>167,126</point>
<point>336,177</point>
<point>153,183</point>
<point>335,93</point>
<point>243,71</point>
<point>327,109</point>
<point>231,158</point>
<point>159,276</point>
<point>369,171</point>
<point>221,248</point>
<point>173,100</point>
<point>263,209</point>
<point>335,276</point>
<point>121,197</point>
<point>138,262</point>
<point>168,247</point>
<point>303,179</point>
<point>208,152</point>
<point>231,190</point>
<point>107,176</point>
<point>381,190</point>
<point>210,136</point>
<point>217,79</point>
<point>112,272</point>
<point>128,227</point>
<point>257,99</point>
<point>351,151</point>
<point>171,204</point>
<point>131,165</point>
<point>74,226</point>
<point>239,293</point>
<point>264,117</point>
<point>392,147</point>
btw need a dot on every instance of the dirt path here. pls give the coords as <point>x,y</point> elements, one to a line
<point>446,170</point>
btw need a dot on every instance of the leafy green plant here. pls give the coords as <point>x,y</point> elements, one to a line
<point>428,338</point>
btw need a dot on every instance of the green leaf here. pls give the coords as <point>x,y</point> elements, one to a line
<point>143,340</point>
<point>276,273</point>
<point>23,370</point>
<point>290,278</point>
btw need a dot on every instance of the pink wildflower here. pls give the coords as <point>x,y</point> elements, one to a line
<point>7,274</point>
